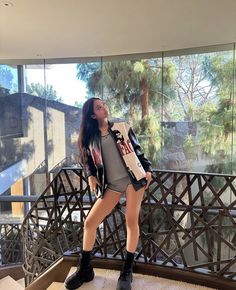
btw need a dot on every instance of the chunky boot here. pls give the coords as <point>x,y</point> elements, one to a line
<point>83,274</point>
<point>126,275</point>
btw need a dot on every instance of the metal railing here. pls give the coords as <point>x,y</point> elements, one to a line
<point>11,248</point>
<point>187,222</point>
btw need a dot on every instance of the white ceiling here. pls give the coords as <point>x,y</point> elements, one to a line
<point>31,29</point>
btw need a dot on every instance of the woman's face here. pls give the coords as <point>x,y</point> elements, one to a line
<point>100,110</point>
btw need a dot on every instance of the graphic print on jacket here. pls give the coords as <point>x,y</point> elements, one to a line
<point>127,151</point>
<point>96,157</point>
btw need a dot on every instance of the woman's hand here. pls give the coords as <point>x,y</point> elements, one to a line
<point>93,182</point>
<point>148,178</point>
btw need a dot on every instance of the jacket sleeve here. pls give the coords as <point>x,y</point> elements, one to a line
<point>138,150</point>
<point>89,167</point>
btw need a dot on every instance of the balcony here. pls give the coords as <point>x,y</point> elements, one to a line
<point>187,224</point>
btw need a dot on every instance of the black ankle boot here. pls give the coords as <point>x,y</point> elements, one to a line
<point>126,275</point>
<point>84,272</point>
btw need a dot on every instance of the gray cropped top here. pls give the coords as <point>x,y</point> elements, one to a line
<point>114,167</point>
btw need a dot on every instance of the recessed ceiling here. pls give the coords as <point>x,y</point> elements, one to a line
<point>32,29</point>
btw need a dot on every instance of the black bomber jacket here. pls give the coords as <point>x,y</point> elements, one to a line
<point>131,153</point>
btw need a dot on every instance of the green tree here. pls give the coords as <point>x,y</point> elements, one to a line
<point>6,77</point>
<point>39,90</point>
<point>192,85</point>
<point>217,127</point>
<point>78,104</point>
<point>6,81</point>
<point>133,90</point>
<point>203,85</point>
<point>128,83</point>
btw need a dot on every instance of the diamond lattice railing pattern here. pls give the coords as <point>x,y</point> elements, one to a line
<point>187,221</point>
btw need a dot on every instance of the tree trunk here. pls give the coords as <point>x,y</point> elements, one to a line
<point>131,106</point>
<point>144,87</point>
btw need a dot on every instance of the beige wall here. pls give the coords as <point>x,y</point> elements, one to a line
<point>17,207</point>
<point>56,137</point>
<point>35,138</point>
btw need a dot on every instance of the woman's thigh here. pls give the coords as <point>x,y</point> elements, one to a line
<point>133,203</point>
<point>102,207</point>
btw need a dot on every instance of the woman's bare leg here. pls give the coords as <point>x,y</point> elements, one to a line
<point>133,204</point>
<point>102,207</point>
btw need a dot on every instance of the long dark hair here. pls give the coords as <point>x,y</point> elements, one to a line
<point>88,129</point>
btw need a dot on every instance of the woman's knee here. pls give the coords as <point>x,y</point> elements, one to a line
<point>90,224</point>
<point>132,222</point>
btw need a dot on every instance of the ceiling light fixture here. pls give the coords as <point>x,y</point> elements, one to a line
<point>6,4</point>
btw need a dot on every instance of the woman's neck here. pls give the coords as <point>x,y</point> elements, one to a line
<point>103,124</point>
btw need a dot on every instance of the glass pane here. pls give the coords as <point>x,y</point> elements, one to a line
<point>10,117</point>
<point>197,112</point>
<point>35,106</point>
<point>65,94</point>
<point>12,212</point>
<point>234,119</point>
<point>11,135</point>
<point>132,90</point>
<point>8,80</point>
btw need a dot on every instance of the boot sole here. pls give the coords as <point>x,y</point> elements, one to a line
<point>119,287</point>
<point>82,282</point>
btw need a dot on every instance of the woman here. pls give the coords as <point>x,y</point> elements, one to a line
<point>114,164</point>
